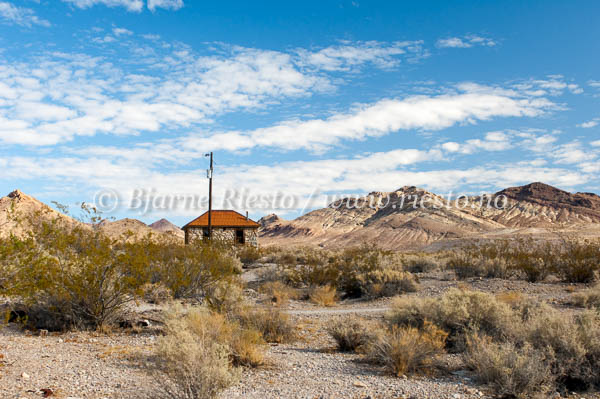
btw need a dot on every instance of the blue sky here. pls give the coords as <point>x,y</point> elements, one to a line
<point>300,101</point>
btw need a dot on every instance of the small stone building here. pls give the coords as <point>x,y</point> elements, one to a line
<point>227,226</point>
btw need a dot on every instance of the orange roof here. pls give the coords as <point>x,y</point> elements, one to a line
<point>223,219</point>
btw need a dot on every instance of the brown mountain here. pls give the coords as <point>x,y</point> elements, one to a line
<point>18,211</point>
<point>411,218</point>
<point>164,226</point>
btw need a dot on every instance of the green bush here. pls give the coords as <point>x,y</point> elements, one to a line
<point>67,277</point>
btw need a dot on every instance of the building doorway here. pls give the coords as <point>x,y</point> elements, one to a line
<point>239,236</point>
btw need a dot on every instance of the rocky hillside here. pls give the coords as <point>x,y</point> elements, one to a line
<point>18,211</point>
<point>164,226</point>
<point>411,218</point>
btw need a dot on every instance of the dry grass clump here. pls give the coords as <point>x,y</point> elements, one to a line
<point>511,370</point>
<point>403,350</point>
<point>279,293</point>
<point>589,298</point>
<point>324,295</point>
<point>352,335</point>
<point>274,325</point>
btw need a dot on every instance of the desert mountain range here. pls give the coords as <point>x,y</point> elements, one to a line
<point>408,218</point>
<point>413,218</point>
<point>23,206</point>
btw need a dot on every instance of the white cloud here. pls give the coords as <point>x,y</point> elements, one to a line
<point>465,42</point>
<point>122,31</point>
<point>589,124</point>
<point>572,153</point>
<point>596,143</point>
<point>130,5</point>
<point>554,85</point>
<point>20,16</point>
<point>348,56</point>
<point>103,98</point>
<point>167,4</point>
<point>494,141</point>
<point>385,171</point>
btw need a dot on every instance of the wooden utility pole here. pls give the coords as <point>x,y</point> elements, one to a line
<point>210,176</point>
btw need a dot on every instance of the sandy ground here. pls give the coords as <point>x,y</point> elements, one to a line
<point>92,365</point>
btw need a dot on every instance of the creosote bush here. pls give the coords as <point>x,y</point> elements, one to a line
<point>64,277</point>
<point>572,260</point>
<point>355,272</point>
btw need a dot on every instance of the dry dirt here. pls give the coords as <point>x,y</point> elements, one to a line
<point>94,365</point>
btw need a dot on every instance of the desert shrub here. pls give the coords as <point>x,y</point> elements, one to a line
<point>75,277</point>
<point>573,260</point>
<point>278,292</point>
<point>274,325</point>
<point>403,350</point>
<point>324,295</point>
<point>589,298</point>
<point>248,254</point>
<point>71,277</point>
<point>512,371</point>
<point>573,345</point>
<point>410,311</point>
<point>245,344</point>
<point>156,293</point>
<point>472,263</point>
<point>193,356</point>
<point>577,261</point>
<point>353,272</point>
<point>225,296</point>
<point>188,270</point>
<point>351,335</point>
<point>420,263</point>
<point>385,283</point>
<point>547,345</point>
<point>459,313</point>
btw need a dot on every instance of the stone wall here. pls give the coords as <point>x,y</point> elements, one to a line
<point>251,237</point>
<point>223,234</point>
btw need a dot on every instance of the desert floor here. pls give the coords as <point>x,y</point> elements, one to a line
<point>116,364</point>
